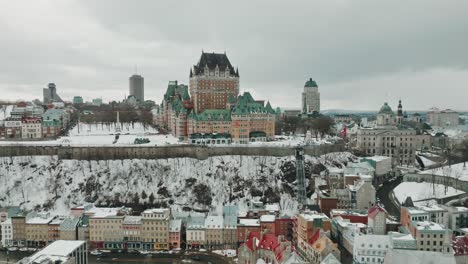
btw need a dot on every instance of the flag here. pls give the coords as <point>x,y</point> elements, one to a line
<point>343,132</point>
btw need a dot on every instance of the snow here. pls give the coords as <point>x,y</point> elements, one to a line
<point>226,252</point>
<point>214,222</point>
<point>102,134</point>
<point>426,225</point>
<point>423,190</point>
<point>427,162</point>
<point>457,171</point>
<point>249,222</point>
<point>102,212</point>
<point>175,225</point>
<point>267,218</point>
<point>46,183</point>
<point>39,220</point>
<point>59,248</point>
<point>310,216</point>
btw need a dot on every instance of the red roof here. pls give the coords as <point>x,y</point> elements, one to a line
<point>374,210</point>
<point>460,246</point>
<point>314,237</point>
<point>250,240</point>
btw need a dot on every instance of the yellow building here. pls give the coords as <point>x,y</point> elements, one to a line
<point>155,228</point>
<point>37,230</point>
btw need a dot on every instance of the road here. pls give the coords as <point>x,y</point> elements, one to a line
<point>383,193</point>
<point>201,258</point>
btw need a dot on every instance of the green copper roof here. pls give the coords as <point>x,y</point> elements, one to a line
<point>171,89</point>
<point>246,105</point>
<point>386,109</point>
<point>185,94</point>
<point>212,115</point>
<point>231,99</point>
<point>310,83</point>
<point>269,108</point>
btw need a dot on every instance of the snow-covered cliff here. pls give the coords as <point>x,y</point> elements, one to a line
<point>47,183</point>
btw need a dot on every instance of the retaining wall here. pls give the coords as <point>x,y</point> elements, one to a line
<point>157,152</point>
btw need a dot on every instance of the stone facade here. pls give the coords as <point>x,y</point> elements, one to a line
<point>389,138</point>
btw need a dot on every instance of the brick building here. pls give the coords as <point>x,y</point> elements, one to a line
<point>214,106</point>
<point>212,81</point>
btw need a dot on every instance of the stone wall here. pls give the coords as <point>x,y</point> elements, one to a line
<point>157,152</point>
<point>452,182</point>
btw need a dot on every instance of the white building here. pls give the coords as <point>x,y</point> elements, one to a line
<point>362,193</point>
<point>389,138</point>
<point>60,251</point>
<point>196,232</point>
<point>7,233</point>
<point>310,97</point>
<point>442,118</point>
<point>377,220</point>
<point>370,248</point>
<point>437,214</point>
<point>457,218</point>
<point>31,127</point>
<point>431,236</point>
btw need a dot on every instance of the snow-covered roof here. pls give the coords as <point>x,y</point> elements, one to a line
<point>371,241</point>
<point>69,224</point>
<point>418,257</point>
<point>272,207</point>
<point>312,215</point>
<point>61,248</point>
<point>103,212</point>
<point>267,218</point>
<point>330,259</point>
<point>432,208</point>
<point>432,226</point>
<point>175,225</point>
<point>196,222</point>
<point>132,220</point>
<point>156,211</point>
<point>214,222</point>
<point>378,158</point>
<point>461,209</point>
<point>40,220</point>
<point>249,222</point>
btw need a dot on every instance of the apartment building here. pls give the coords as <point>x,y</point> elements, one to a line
<point>155,228</point>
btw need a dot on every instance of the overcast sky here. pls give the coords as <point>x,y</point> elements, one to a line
<point>361,53</point>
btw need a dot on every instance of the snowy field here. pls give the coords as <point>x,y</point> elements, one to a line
<point>103,134</point>
<point>47,183</point>
<point>457,171</point>
<point>423,190</point>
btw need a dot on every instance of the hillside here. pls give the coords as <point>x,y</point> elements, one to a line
<point>47,183</point>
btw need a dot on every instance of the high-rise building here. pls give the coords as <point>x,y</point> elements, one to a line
<point>50,94</point>
<point>442,118</point>
<point>77,100</point>
<point>310,97</point>
<point>212,81</point>
<point>137,87</point>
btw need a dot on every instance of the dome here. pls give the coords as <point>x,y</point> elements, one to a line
<point>386,109</point>
<point>310,83</point>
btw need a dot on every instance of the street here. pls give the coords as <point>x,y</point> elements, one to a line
<point>195,257</point>
<point>383,194</point>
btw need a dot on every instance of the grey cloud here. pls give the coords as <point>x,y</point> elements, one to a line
<point>277,45</point>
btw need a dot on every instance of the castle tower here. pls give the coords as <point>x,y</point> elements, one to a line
<point>212,81</point>
<point>399,113</point>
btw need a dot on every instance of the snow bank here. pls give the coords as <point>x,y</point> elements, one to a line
<point>423,190</point>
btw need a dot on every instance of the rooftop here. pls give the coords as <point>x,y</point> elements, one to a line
<point>59,248</point>
<point>175,225</point>
<point>249,222</point>
<point>267,218</point>
<point>214,222</point>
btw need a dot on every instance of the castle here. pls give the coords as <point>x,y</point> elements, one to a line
<point>211,110</point>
